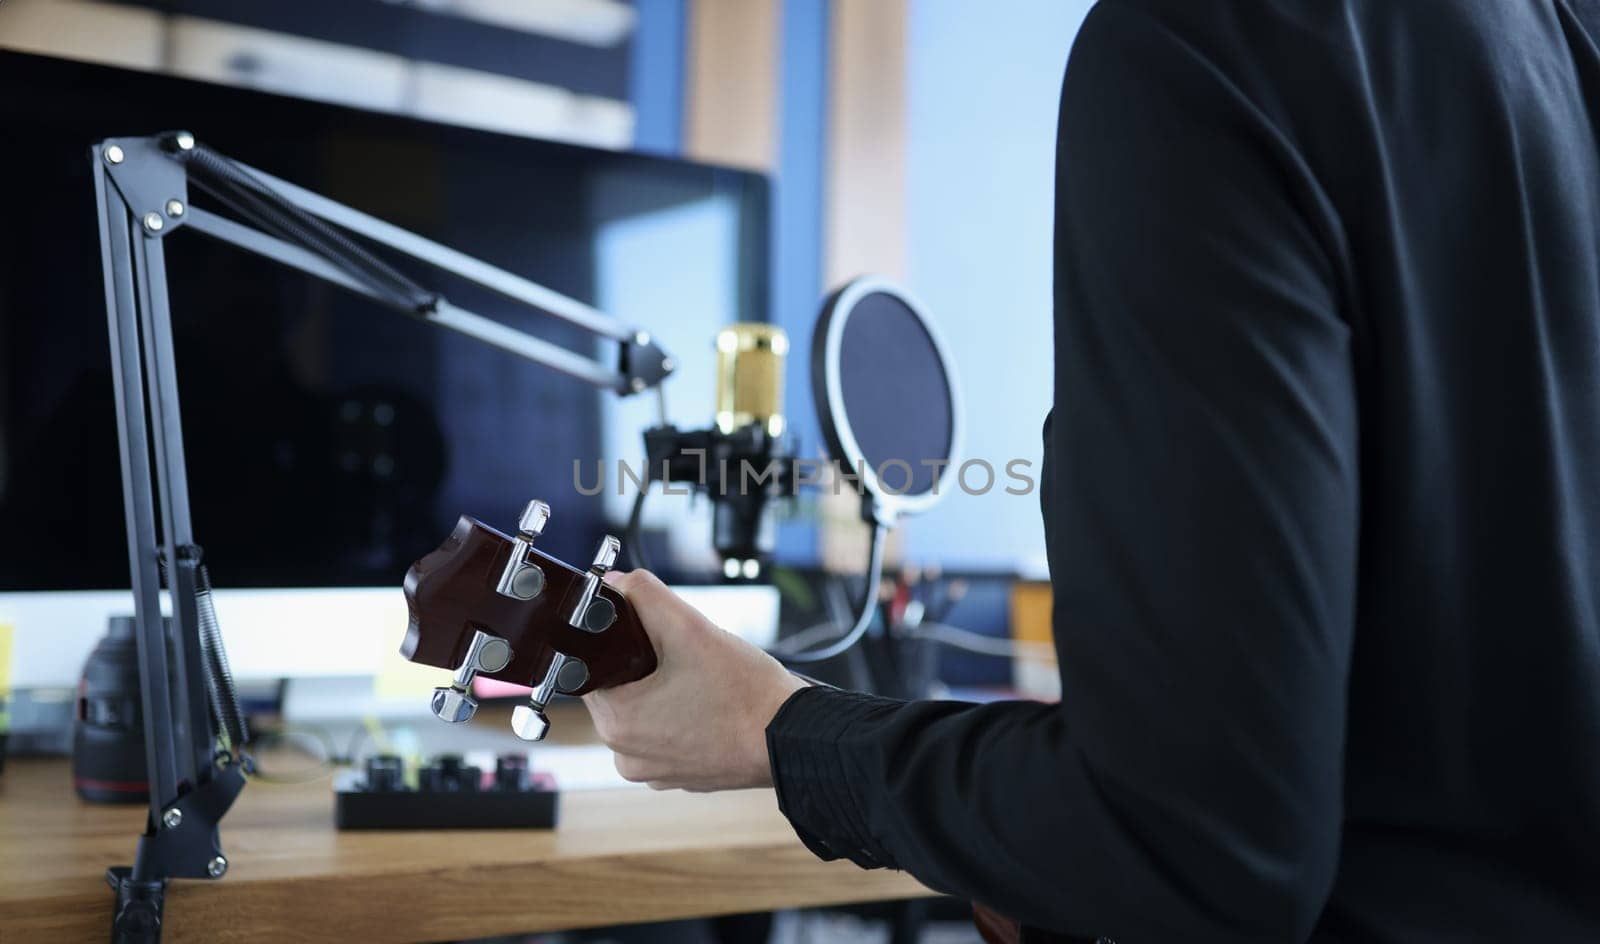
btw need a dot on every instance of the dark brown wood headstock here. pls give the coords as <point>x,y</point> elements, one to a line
<point>485,604</point>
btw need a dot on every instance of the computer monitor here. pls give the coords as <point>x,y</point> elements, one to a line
<point>330,441</point>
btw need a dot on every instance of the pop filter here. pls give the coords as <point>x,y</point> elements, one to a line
<point>887,402</point>
<point>886,397</point>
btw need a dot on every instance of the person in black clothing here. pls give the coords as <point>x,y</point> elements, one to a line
<point>1322,495</point>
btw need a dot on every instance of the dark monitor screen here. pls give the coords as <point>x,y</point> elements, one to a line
<point>330,441</point>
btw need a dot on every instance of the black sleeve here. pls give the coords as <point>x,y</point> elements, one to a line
<point>1201,496</point>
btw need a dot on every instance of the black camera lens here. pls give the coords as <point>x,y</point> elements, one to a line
<point>108,761</point>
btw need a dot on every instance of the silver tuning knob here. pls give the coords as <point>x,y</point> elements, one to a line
<point>522,579</point>
<point>592,612</point>
<point>566,674</point>
<point>529,721</point>
<point>485,653</point>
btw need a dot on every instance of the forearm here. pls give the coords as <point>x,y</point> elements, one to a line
<point>994,804</point>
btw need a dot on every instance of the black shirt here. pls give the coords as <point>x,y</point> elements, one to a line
<point>1322,496</point>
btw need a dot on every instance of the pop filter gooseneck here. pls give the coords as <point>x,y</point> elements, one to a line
<point>890,411</point>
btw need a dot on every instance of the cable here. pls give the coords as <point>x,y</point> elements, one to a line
<point>321,764</point>
<point>810,636</point>
<point>635,532</point>
<point>979,644</point>
<point>869,607</point>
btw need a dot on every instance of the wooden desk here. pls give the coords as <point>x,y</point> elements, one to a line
<point>618,857</point>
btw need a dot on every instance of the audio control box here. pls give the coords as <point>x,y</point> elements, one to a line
<point>448,794</point>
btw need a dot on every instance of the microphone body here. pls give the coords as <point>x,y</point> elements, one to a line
<point>743,460</point>
<point>750,362</point>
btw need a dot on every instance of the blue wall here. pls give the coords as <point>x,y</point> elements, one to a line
<point>797,222</point>
<point>656,76</point>
<point>980,180</point>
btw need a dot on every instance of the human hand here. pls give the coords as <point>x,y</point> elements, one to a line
<point>698,722</point>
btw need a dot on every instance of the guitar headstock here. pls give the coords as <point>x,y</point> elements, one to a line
<point>485,604</point>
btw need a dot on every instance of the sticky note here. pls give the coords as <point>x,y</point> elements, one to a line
<point>399,678</point>
<point>5,677</point>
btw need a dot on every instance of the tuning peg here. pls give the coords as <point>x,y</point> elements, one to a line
<point>529,721</point>
<point>485,653</point>
<point>453,705</point>
<point>592,612</point>
<point>605,556</point>
<point>530,524</point>
<point>522,580</point>
<point>565,674</point>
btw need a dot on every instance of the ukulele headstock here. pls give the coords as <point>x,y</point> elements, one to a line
<point>491,605</point>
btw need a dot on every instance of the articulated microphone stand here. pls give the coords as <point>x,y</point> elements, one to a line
<point>193,737</point>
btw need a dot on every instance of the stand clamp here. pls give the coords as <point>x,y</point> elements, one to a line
<point>184,844</point>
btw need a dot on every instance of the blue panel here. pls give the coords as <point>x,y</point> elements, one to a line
<point>797,221</point>
<point>656,76</point>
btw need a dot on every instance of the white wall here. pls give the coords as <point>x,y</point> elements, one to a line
<point>983,87</point>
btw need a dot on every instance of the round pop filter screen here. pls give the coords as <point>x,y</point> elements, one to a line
<point>886,393</point>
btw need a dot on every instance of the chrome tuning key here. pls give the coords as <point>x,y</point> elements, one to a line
<point>529,721</point>
<point>591,613</point>
<point>522,579</point>
<point>485,653</point>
